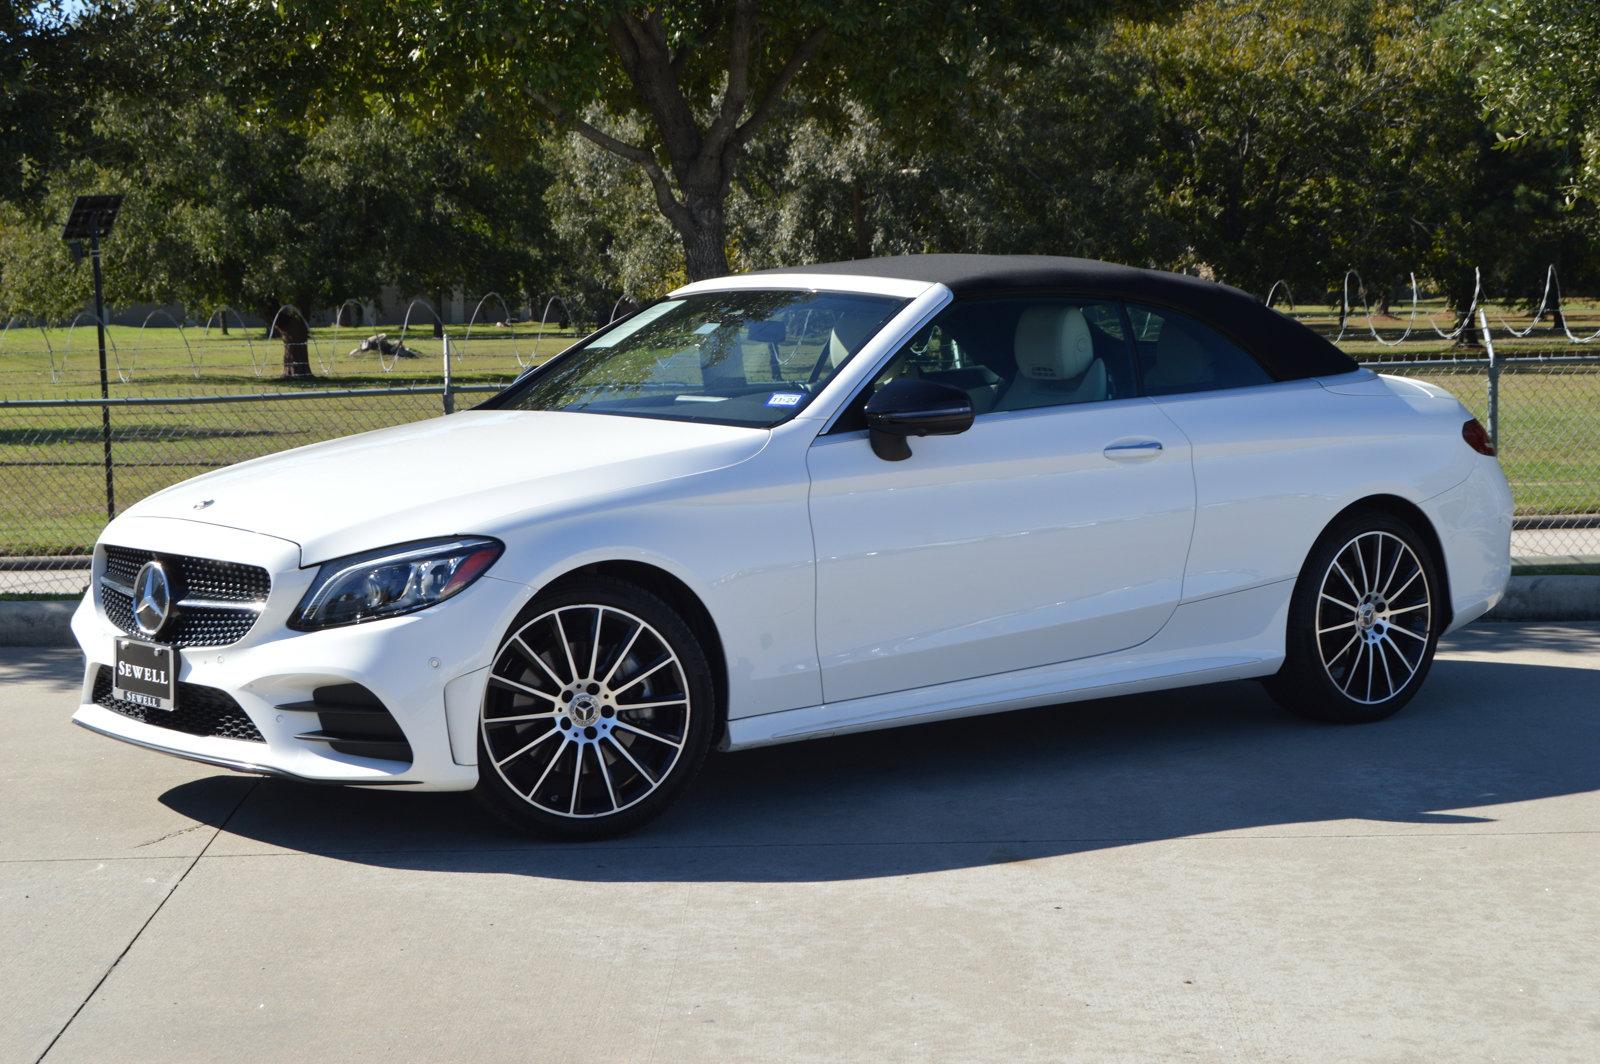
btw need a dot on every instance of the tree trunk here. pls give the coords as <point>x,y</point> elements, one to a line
<point>858,221</point>
<point>438,315</point>
<point>1385,297</point>
<point>705,239</point>
<point>700,152</point>
<point>292,330</point>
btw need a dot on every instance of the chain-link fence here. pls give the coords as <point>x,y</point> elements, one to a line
<point>1544,414</point>
<point>67,465</point>
<point>69,459</point>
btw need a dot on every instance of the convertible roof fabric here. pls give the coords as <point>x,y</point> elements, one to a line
<point>1286,348</point>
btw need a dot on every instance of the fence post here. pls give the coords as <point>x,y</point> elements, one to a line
<point>449,399</point>
<point>1494,380</point>
<point>105,392</point>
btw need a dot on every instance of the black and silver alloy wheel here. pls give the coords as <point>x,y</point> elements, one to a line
<point>1363,622</point>
<point>1374,617</point>
<point>597,711</point>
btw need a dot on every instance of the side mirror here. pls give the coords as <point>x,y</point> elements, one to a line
<point>909,407</point>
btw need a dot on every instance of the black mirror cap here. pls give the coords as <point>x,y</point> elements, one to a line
<point>910,407</point>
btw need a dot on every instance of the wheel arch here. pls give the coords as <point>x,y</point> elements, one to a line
<point>681,597</point>
<point>1411,514</point>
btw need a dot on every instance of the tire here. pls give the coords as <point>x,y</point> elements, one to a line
<point>599,710</point>
<point>1363,624</point>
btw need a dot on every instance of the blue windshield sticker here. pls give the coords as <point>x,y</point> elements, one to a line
<point>784,399</point>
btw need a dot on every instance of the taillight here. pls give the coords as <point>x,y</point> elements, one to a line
<point>1477,437</point>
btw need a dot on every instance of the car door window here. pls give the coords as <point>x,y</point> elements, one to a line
<point>1013,354</point>
<point>1178,354</point>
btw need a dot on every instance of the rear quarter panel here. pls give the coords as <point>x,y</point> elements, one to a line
<point>1274,465</point>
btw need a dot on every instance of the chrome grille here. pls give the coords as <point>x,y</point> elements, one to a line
<point>217,601</point>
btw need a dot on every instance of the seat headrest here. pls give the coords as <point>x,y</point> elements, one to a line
<point>1053,343</point>
<point>850,330</point>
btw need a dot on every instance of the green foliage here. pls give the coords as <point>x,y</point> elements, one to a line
<point>612,238</point>
<point>694,83</point>
<point>310,152</point>
<point>1538,74</point>
<point>38,278</point>
<point>41,55</point>
<point>227,209</point>
<point>1253,141</point>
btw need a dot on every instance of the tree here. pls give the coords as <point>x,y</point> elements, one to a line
<point>678,90</point>
<point>426,210</point>
<point>42,56</point>
<point>1538,77</point>
<point>226,209</point>
<point>1416,140</point>
<point>1253,110</point>
<point>612,238</point>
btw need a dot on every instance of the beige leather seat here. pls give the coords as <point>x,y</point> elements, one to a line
<point>850,330</point>
<point>1056,363</point>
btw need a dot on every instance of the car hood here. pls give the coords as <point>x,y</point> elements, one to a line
<point>470,472</point>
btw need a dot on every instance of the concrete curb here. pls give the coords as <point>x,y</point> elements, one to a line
<point>37,623</point>
<point>47,622</point>
<point>1549,598</point>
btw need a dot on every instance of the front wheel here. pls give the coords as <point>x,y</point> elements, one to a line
<point>598,711</point>
<point>1363,623</point>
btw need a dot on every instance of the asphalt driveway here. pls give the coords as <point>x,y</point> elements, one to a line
<point>1190,876</point>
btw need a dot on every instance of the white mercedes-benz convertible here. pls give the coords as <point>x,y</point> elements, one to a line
<point>801,503</point>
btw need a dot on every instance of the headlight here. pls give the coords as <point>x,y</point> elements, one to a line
<point>394,580</point>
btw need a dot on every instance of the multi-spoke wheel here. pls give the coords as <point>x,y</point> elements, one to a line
<point>1363,623</point>
<point>598,709</point>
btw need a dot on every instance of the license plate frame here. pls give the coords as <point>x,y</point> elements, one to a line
<point>146,674</point>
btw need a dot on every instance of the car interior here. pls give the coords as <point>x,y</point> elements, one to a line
<point>1023,354</point>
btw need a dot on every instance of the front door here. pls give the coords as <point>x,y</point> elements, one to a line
<point>1055,528</point>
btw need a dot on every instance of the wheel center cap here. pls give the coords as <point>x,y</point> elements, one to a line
<point>585,710</point>
<point>1367,615</point>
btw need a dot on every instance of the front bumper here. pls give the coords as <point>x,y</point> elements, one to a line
<point>428,669</point>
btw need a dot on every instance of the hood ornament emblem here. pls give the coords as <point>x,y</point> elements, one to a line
<point>203,503</point>
<point>152,598</point>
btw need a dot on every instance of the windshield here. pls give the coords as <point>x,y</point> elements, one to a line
<point>735,358</point>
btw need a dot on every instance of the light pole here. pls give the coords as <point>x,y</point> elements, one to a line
<point>91,219</point>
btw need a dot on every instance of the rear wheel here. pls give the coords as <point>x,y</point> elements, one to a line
<point>599,710</point>
<point>1363,624</point>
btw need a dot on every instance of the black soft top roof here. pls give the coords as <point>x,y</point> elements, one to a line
<point>1286,348</point>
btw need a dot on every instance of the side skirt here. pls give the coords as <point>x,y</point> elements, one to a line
<point>1229,637</point>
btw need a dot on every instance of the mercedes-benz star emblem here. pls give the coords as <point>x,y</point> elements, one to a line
<point>203,503</point>
<point>152,598</point>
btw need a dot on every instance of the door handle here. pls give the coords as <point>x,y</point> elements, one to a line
<point>1125,450</point>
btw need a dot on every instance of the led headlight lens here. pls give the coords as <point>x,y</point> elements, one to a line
<point>392,581</point>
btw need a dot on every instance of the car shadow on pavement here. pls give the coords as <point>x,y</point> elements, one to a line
<point>1004,788</point>
<point>59,667</point>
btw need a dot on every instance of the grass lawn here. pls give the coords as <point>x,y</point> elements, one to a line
<point>52,482</point>
<point>64,362</point>
<point>1583,319</point>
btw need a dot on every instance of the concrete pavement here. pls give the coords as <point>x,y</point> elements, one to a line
<point>1192,876</point>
